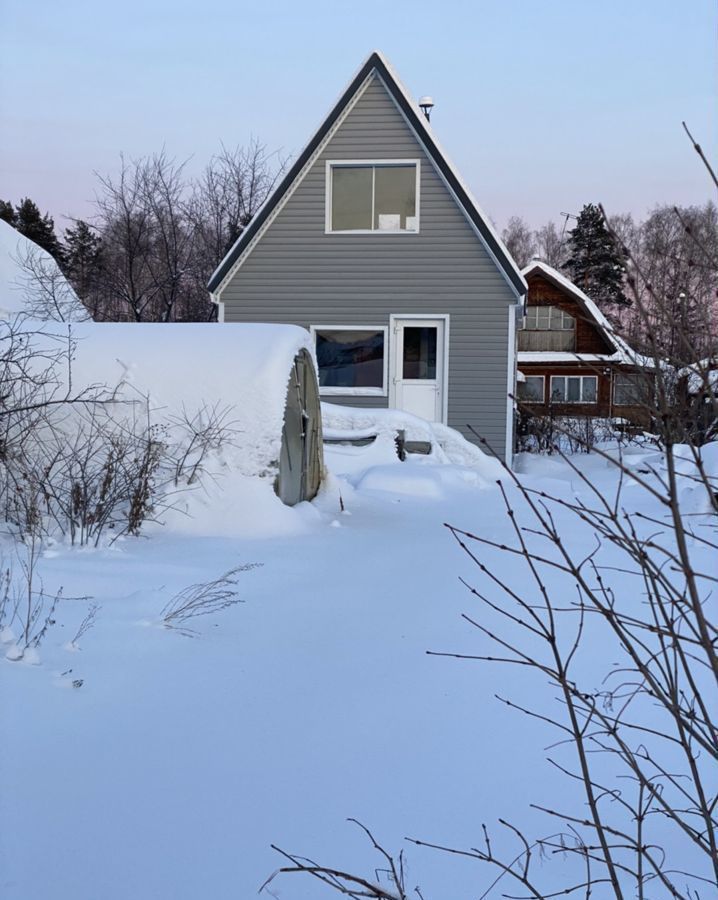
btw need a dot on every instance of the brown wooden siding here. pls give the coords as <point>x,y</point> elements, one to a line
<point>603,408</point>
<point>588,337</point>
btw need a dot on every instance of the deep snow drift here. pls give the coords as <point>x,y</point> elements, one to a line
<point>175,763</point>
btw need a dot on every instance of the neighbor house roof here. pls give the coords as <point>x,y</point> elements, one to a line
<point>418,123</point>
<point>621,353</point>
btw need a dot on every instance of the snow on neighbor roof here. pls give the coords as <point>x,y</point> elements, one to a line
<point>417,121</point>
<point>31,281</point>
<point>701,376</point>
<point>622,352</point>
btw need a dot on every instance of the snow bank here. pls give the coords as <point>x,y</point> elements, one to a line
<point>448,446</point>
<point>31,281</point>
<point>189,365</point>
<point>170,370</point>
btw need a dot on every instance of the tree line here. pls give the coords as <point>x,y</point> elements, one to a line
<point>669,260</point>
<point>156,235</point>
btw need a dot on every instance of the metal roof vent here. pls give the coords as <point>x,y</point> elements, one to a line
<point>426,104</point>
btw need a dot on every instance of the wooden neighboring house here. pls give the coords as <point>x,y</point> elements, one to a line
<point>570,360</point>
<point>374,243</point>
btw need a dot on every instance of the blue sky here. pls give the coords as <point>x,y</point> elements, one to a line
<point>544,105</point>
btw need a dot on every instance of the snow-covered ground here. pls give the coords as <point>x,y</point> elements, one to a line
<point>174,763</point>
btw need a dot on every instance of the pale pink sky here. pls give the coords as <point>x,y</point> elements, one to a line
<point>544,105</point>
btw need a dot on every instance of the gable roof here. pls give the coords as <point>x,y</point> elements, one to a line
<point>418,123</point>
<point>622,353</point>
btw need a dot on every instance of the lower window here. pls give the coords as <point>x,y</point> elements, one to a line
<point>351,360</point>
<point>530,390</point>
<point>574,388</point>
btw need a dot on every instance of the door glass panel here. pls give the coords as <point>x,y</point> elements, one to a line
<point>420,352</point>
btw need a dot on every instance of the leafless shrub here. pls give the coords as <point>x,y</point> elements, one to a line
<point>208,430</point>
<point>391,873</point>
<point>86,624</point>
<point>552,433</point>
<point>203,598</point>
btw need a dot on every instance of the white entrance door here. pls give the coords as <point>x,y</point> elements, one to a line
<point>418,367</point>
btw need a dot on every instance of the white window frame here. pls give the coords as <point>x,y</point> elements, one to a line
<point>552,310</point>
<point>567,402</point>
<point>355,391</point>
<point>543,389</point>
<point>348,163</point>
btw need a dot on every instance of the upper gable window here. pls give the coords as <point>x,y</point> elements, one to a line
<point>547,328</point>
<point>377,196</point>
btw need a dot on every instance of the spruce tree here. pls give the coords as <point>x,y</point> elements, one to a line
<point>7,212</point>
<point>596,262</point>
<point>38,228</point>
<point>82,258</point>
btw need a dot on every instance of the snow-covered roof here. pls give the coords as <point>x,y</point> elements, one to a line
<point>701,376</point>
<point>377,63</point>
<point>622,352</point>
<point>31,282</point>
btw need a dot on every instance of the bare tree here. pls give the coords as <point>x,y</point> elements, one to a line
<point>550,245</point>
<point>160,235</point>
<point>233,186</point>
<point>147,243</point>
<point>520,241</point>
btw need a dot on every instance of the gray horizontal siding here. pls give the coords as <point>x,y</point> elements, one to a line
<point>298,274</point>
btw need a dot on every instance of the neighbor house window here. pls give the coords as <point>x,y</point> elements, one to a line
<point>574,388</point>
<point>547,328</point>
<point>351,360</point>
<point>530,390</point>
<point>373,196</point>
<point>631,389</point>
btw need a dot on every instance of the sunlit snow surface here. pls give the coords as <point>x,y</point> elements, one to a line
<point>177,762</point>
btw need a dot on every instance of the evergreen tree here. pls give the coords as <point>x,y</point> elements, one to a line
<point>596,263</point>
<point>7,212</point>
<point>38,228</point>
<point>82,253</point>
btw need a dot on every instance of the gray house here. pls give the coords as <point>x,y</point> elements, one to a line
<point>373,242</point>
